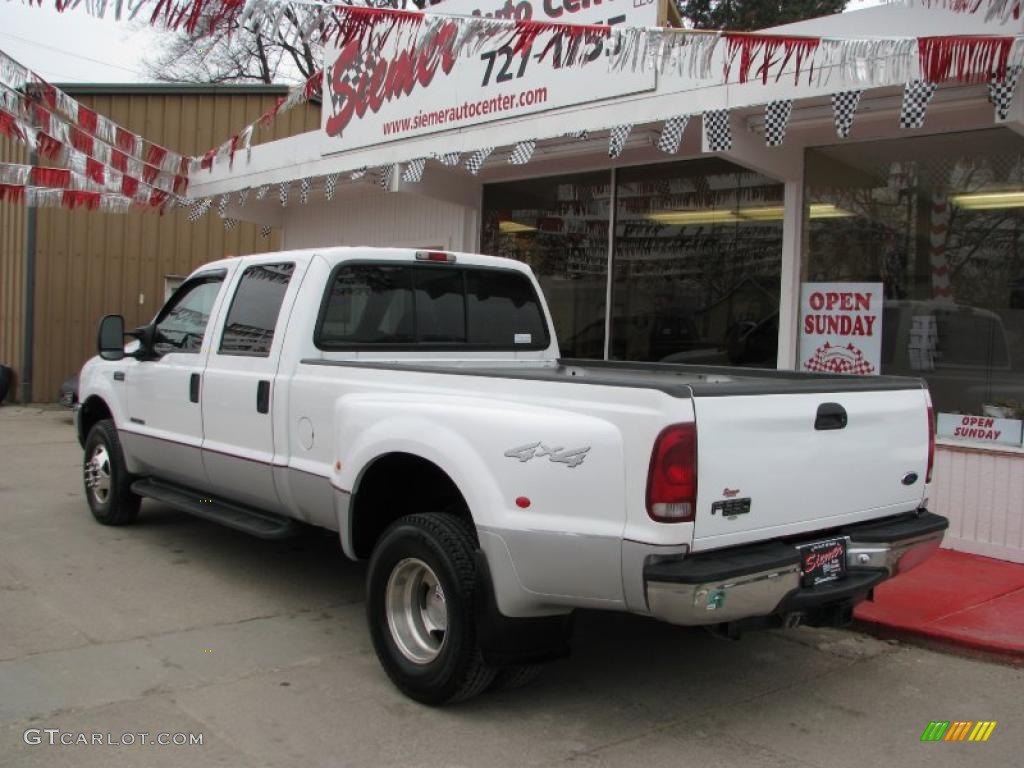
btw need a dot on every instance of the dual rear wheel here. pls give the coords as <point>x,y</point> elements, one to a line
<point>422,589</point>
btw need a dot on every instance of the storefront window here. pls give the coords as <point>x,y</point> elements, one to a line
<point>939,221</point>
<point>697,260</point>
<point>559,226</point>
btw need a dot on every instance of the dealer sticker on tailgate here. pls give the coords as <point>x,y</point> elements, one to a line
<point>823,561</point>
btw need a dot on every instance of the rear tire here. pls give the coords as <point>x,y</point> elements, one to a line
<point>421,592</point>
<point>107,482</point>
<point>519,676</point>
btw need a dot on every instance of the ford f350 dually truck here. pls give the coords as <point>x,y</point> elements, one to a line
<point>415,402</point>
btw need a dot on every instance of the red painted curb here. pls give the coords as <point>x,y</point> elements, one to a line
<point>954,602</point>
<point>937,642</point>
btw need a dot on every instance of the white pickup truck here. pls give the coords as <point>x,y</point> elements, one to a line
<point>415,402</point>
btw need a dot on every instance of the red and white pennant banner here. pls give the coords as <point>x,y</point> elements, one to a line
<point>35,113</point>
<point>44,197</point>
<point>87,123</point>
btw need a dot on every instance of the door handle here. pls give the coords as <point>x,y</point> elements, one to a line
<point>193,388</point>
<point>830,416</point>
<point>263,397</point>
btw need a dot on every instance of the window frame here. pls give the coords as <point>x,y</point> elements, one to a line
<point>432,346</point>
<point>227,315</point>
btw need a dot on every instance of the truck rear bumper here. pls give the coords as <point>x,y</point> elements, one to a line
<point>766,579</point>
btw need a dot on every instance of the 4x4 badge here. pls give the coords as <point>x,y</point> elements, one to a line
<point>570,457</point>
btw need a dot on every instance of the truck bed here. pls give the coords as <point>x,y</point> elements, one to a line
<point>677,380</point>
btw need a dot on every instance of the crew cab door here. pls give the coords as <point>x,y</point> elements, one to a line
<point>239,382</point>
<point>164,429</point>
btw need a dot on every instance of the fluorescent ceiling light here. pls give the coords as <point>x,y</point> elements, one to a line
<point>511,227</point>
<point>693,217</point>
<point>985,201</point>
<point>828,211</point>
<point>763,213</point>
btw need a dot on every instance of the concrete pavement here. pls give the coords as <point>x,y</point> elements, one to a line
<point>177,625</point>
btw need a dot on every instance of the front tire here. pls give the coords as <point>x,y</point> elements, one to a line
<point>107,482</point>
<point>421,588</point>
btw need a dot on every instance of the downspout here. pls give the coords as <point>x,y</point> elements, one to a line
<point>29,319</point>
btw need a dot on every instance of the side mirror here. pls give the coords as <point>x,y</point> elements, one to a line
<point>146,334</point>
<point>110,338</point>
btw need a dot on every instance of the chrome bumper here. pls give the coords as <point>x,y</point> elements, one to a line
<point>680,599</point>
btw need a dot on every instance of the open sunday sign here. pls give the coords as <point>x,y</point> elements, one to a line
<point>980,429</point>
<point>841,328</point>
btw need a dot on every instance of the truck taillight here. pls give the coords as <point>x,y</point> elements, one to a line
<point>931,441</point>
<point>672,480</point>
<point>441,256</point>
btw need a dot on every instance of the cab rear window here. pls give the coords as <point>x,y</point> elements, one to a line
<point>430,306</point>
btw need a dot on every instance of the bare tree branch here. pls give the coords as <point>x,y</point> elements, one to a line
<point>236,55</point>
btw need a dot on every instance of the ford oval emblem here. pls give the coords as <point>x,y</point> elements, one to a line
<point>910,478</point>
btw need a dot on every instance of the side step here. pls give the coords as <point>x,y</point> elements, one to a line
<point>263,525</point>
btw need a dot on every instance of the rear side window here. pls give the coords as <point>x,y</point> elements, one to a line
<point>440,307</point>
<point>249,329</point>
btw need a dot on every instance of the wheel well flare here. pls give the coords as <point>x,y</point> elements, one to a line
<point>396,485</point>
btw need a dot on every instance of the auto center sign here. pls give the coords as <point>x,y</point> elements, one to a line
<point>841,328</point>
<point>393,93</point>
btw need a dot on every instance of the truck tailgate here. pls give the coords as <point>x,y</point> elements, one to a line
<point>799,476</point>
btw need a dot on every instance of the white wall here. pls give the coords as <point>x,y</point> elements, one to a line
<point>368,216</point>
<point>982,493</point>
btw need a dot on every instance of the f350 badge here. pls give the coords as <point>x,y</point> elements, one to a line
<point>570,457</point>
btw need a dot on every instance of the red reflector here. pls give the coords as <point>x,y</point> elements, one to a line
<point>448,258</point>
<point>522,502</point>
<point>672,479</point>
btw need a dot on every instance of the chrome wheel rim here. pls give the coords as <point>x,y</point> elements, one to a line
<point>97,474</point>
<point>417,611</point>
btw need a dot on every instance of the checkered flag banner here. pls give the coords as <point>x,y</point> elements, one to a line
<point>385,174</point>
<point>451,159</point>
<point>844,107</point>
<point>577,135</point>
<point>413,173</point>
<point>261,192</point>
<point>917,94</point>
<point>222,206</point>
<point>243,197</point>
<point>522,152</point>
<point>776,118</point>
<point>362,64</point>
<point>839,359</point>
<point>230,224</point>
<point>617,139</point>
<point>304,186</point>
<point>477,159</point>
<point>283,193</point>
<point>330,184</point>
<point>1000,92</point>
<point>265,230</point>
<point>717,131</point>
<point>672,134</point>
<point>358,173</point>
<point>199,209</point>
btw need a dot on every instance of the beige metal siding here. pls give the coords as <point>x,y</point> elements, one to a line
<point>12,275</point>
<point>91,264</point>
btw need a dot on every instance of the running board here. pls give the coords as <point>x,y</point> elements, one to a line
<point>254,522</point>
